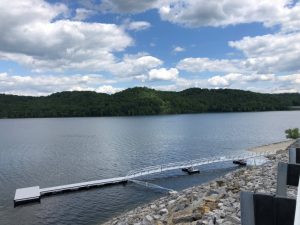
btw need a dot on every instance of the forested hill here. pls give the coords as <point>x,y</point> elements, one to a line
<point>143,101</point>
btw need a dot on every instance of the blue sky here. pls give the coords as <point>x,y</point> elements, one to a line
<point>110,45</point>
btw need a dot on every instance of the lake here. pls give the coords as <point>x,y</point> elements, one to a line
<point>56,151</point>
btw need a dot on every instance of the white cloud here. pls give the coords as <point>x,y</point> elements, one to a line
<point>182,84</point>
<point>163,74</point>
<point>217,13</point>
<point>135,65</point>
<point>271,53</point>
<point>218,81</point>
<point>278,90</point>
<point>206,64</point>
<point>231,78</point>
<point>263,45</point>
<point>290,21</point>
<point>47,84</point>
<point>128,6</point>
<point>178,49</point>
<point>136,25</point>
<point>16,13</point>
<point>66,45</point>
<point>258,77</point>
<point>45,37</point>
<point>143,78</point>
<point>292,78</point>
<point>108,89</point>
<point>265,83</point>
<point>39,38</point>
<point>83,14</point>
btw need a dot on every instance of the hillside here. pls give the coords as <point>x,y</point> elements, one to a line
<point>143,101</point>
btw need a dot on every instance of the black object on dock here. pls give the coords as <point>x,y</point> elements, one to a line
<point>240,162</point>
<point>190,170</point>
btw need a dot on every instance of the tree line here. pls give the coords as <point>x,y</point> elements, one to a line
<point>143,101</point>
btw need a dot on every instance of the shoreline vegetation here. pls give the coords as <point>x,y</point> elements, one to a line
<point>216,201</point>
<point>143,101</point>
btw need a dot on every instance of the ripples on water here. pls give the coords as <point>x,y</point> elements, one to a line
<point>49,152</point>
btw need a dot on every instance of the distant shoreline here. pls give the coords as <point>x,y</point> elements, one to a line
<point>137,116</point>
<point>140,101</point>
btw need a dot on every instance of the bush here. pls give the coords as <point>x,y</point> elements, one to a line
<point>292,133</point>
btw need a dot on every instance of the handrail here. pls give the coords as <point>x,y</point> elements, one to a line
<point>196,162</point>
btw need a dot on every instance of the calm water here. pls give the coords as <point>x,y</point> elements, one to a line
<point>49,152</point>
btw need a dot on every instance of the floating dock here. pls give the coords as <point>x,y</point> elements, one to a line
<point>34,194</point>
<point>30,194</point>
<point>24,195</point>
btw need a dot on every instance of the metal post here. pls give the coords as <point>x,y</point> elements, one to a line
<point>297,213</point>
<point>247,208</point>
<point>281,179</point>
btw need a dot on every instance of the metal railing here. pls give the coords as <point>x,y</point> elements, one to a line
<point>192,163</point>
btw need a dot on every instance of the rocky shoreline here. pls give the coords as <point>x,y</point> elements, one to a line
<point>216,202</point>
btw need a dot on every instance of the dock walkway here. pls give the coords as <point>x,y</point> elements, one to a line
<point>29,194</point>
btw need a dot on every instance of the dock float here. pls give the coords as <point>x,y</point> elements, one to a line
<point>34,194</point>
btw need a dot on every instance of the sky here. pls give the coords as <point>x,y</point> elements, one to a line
<point>110,45</point>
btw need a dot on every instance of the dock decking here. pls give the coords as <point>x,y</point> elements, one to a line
<point>32,194</point>
<point>29,194</point>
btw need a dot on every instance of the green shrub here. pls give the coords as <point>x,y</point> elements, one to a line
<point>292,133</point>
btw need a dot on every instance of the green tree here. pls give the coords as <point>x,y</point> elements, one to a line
<point>292,133</point>
<point>143,101</point>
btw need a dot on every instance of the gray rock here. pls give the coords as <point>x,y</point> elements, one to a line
<point>234,219</point>
<point>163,211</point>
<point>149,218</point>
